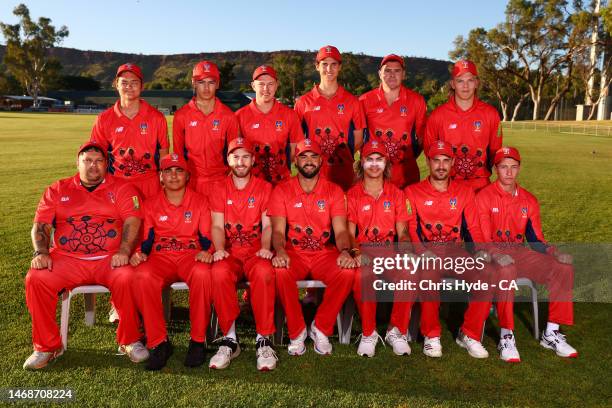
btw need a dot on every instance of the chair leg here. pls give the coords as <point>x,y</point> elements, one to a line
<point>90,308</point>
<point>345,321</point>
<point>65,318</point>
<point>279,322</point>
<point>167,303</point>
<point>213,327</point>
<point>536,317</point>
<point>415,321</point>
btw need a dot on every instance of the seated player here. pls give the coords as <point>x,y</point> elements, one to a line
<point>175,248</point>
<point>303,211</point>
<point>509,217</point>
<point>95,219</point>
<point>241,236</point>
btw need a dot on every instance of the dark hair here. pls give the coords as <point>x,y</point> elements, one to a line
<point>91,149</point>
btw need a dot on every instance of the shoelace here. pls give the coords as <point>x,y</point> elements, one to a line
<point>508,342</point>
<point>266,352</point>
<point>373,338</point>
<point>394,336</point>
<point>431,342</point>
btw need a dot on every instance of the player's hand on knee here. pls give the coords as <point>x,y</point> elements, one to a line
<point>564,258</point>
<point>138,258</point>
<point>484,255</point>
<point>503,259</point>
<point>119,259</point>
<point>206,257</point>
<point>42,261</point>
<point>345,260</point>
<point>219,255</point>
<point>264,253</point>
<point>281,260</point>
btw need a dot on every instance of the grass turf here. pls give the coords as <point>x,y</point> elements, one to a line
<point>572,183</point>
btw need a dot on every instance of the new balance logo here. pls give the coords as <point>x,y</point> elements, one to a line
<point>193,123</point>
<point>297,205</point>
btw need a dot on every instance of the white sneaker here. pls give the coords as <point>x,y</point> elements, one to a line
<point>367,344</point>
<point>266,356</point>
<point>228,350</point>
<point>321,342</point>
<point>136,352</point>
<point>432,347</point>
<point>398,341</point>
<point>474,347</point>
<point>113,316</point>
<point>40,359</point>
<point>296,346</point>
<point>556,341</point>
<point>507,349</point>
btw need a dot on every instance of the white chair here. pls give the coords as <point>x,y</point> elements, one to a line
<point>89,291</point>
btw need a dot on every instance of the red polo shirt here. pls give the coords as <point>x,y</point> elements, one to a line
<point>175,228</point>
<point>270,134</point>
<point>475,134</point>
<point>376,217</point>
<point>400,127</point>
<point>309,215</point>
<point>242,211</point>
<point>133,144</point>
<point>201,138</point>
<point>87,224</point>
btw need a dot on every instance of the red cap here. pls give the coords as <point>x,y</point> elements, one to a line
<point>307,145</point>
<point>329,51</point>
<point>463,66</point>
<point>264,70</point>
<point>92,143</point>
<point>392,57</point>
<point>373,147</point>
<point>239,143</point>
<point>507,153</point>
<point>129,67</point>
<point>172,160</point>
<point>440,147</point>
<point>205,69</point>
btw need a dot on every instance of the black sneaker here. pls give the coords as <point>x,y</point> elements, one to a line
<point>159,356</point>
<point>196,354</point>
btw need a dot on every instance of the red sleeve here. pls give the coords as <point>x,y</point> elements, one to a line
<point>45,212</point>
<point>536,221</point>
<point>217,200</point>
<point>147,211</point>
<point>431,132</point>
<point>162,136</point>
<point>413,221</point>
<point>276,204</point>
<point>178,134</point>
<point>495,137</point>
<point>482,206</point>
<point>299,109</point>
<point>338,202</point>
<point>295,128</point>
<point>265,197</point>
<point>351,201</point>
<point>401,208</point>
<point>358,116</point>
<point>233,128</point>
<point>128,201</point>
<point>204,225</point>
<point>421,118</point>
<point>470,213</point>
<point>98,134</point>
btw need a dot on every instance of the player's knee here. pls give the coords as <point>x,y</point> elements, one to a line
<point>35,277</point>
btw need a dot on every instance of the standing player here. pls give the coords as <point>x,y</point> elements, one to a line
<point>202,128</point>
<point>270,127</point>
<point>95,218</point>
<point>333,118</point>
<point>471,126</point>
<point>445,216</point>
<point>303,210</point>
<point>396,117</point>
<point>509,216</point>
<point>175,248</point>
<point>134,133</point>
<point>241,235</point>
<point>376,215</point>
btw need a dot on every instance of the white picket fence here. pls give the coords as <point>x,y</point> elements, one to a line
<point>573,128</point>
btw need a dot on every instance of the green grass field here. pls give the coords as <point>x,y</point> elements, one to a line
<point>575,191</point>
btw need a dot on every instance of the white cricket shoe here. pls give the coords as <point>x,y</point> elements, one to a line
<point>321,342</point>
<point>474,347</point>
<point>40,359</point>
<point>398,341</point>
<point>113,316</point>
<point>555,340</point>
<point>367,344</point>
<point>228,350</point>
<point>136,352</point>
<point>507,349</point>
<point>432,347</point>
<point>266,356</point>
<point>296,346</point>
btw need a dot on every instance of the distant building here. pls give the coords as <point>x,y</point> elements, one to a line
<point>21,102</point>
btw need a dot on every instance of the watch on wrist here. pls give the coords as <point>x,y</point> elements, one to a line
<point>37,252</point>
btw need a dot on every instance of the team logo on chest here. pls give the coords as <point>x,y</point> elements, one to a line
<point>403,111</point>
<point>278,125</point>
<point>188,217</point>
<point>251,202</point>
<point>321,205</point>
<point>387,206</point>
<point>524,212</point>
<point>453,203</point>
<point>340,109</point>
<point>143,128</point>
<point>216,123</point>
<point>477,125</point>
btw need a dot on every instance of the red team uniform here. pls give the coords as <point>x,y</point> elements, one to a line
<point>242,210</point>
<point>399,127</point>
<point>270,134</point>
<point>376,220</point>
<point>173,235</point>
<point>133,145</point>
<point>309,219</point>
<point>331,122</point>
<point>201,140</point>
<point>88,228</point>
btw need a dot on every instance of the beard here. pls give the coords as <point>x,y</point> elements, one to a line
<point>440,175</point>
<point>309,174</point>
<point>241,172</point>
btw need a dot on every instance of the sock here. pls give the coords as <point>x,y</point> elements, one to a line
<point>231,333</point>
<point>550,327</point>
<point>505,331</point>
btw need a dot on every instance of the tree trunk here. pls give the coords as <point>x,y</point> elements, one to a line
<point>518,106</point>
<point>593,57</point>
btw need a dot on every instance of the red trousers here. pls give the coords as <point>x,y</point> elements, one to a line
<point>203,185</point>
<point>543,269</point>
<point>405,172</point>
<point>43,286</point>
<point>479,305</point>
<point>319,265</point>
<point>161,270</point>
<point>147,186</point>
<point>260,274</point>
<point>402,302</point>
<point>477,184</point>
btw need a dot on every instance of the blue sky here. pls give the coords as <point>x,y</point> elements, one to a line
<point>414,28</point>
